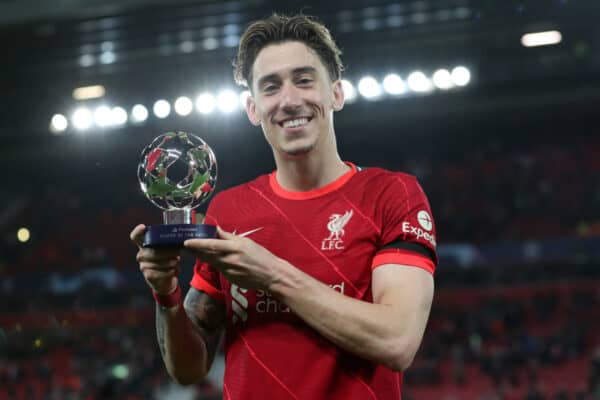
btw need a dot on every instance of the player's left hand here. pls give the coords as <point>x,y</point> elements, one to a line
<point>241,260</point>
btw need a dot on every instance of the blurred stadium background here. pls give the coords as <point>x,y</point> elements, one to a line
<point>501,128</point>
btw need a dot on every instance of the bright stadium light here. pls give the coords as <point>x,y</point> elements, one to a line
<point>58,123</point>
<point>244,95</point>
<point>120,371</point>
<point>461,76</point>
<point>87,60</point>
<point>349,91</point>
<point>103,116</point>
<point>82,119</point>
<point>419,82</point>
<point>546,38</point>
<point>139,113</point>
<point>206,103</point>
<point>442,79</point>
<point>88,92</point>
<point>162,109</point>
<point>369,88</point>
<point>187,46</point>
<point>227,101</point>
<point>23,235</point>
<point>393,84</point>
<point>183,106</point>
<point>108,57</point>
<point>118,116</point>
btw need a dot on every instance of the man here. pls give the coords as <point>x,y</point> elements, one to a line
<point>322,275</point>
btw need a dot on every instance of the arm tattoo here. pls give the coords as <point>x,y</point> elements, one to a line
<point>208,316</point>
<point>160,329</point>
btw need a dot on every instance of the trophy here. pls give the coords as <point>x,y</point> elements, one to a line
<point>177,172</point>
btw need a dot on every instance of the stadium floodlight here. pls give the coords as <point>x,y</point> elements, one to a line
<point>349,91</point>
<point>442,79</point>
<point>120,371</point>
<point>187,46</point>
<point>545,38</point>
<point>89,92</point>
<point>108,57</point>
<point>210,43</point>
<point>393,84</point>
<point>23,235</point>
<point>227,101</point>
<point>231,40</point>
<point>418,82</point>
<point>118,116</point>
<point>82,119</point>
<point>58,123</point>
<point>461,76</point>
<point>183,106</point>
<point>206,103</point>
<point>103,116</point>
<point>369,88</point>
<point>139,113</point>
<point>86,60</point>
<point>161,109</point>
<point>244,95</point>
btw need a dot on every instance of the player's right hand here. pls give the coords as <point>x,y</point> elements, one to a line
<point>160,267</point>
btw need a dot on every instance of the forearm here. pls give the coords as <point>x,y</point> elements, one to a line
<point>377,332</point>
<point>182,347</point>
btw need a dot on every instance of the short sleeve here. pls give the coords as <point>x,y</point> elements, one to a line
<point>205,278</point>
<point>408,234</point>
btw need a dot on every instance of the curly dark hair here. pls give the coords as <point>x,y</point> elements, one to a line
<point>280,28</point>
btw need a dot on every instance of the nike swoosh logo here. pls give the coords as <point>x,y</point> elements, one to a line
<point>247,233</point>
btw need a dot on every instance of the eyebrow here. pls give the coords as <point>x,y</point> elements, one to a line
<point>295,71</point>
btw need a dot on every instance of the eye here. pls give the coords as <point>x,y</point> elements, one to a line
<point>305,81</point>
<point>269,88</point>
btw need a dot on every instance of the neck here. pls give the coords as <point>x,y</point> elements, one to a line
<point>308,172</point>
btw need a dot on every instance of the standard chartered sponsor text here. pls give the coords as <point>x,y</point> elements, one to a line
<point>266,303</point>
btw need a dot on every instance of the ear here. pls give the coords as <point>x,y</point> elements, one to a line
<point>251,111</point>
<point>338,96</point>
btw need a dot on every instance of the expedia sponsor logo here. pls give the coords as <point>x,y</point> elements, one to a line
<point>418,233</point>
<point>425,220</point>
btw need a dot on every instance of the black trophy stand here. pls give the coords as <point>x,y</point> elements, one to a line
<point>178,228</point>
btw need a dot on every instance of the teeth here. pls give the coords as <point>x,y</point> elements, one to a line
<point>295,122</point>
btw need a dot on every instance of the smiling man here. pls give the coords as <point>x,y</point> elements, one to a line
<point>324,289</point>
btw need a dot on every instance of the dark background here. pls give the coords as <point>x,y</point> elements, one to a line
<point>509,162</point>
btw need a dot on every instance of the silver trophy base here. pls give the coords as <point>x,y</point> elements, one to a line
<point>178,216</point>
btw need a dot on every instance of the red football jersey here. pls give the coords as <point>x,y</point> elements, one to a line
<point>338,234</point>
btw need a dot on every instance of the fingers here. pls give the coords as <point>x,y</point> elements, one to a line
<point>224,234</point>
<point>160,266</point>
<point>226,242</point>
<point>207,245</point>
<point>137,234</point>
<point>160,279</point>
<point>157,255</point>
<point>159,270</point>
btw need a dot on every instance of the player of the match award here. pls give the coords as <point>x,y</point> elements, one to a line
<point>177,172</point>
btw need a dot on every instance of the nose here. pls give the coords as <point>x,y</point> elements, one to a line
<point>291,98</point>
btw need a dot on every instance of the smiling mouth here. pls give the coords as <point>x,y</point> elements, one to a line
<point>295,123</point>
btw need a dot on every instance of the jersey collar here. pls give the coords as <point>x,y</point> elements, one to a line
<point>311,194</point>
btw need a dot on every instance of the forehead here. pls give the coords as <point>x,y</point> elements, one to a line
<point>281,58</point>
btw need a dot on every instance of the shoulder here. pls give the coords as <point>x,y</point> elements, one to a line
<point>244,193</point>
<point>234,193</point>
<point>386,179</point>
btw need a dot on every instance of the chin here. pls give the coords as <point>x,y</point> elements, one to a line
<point>298,151</point>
